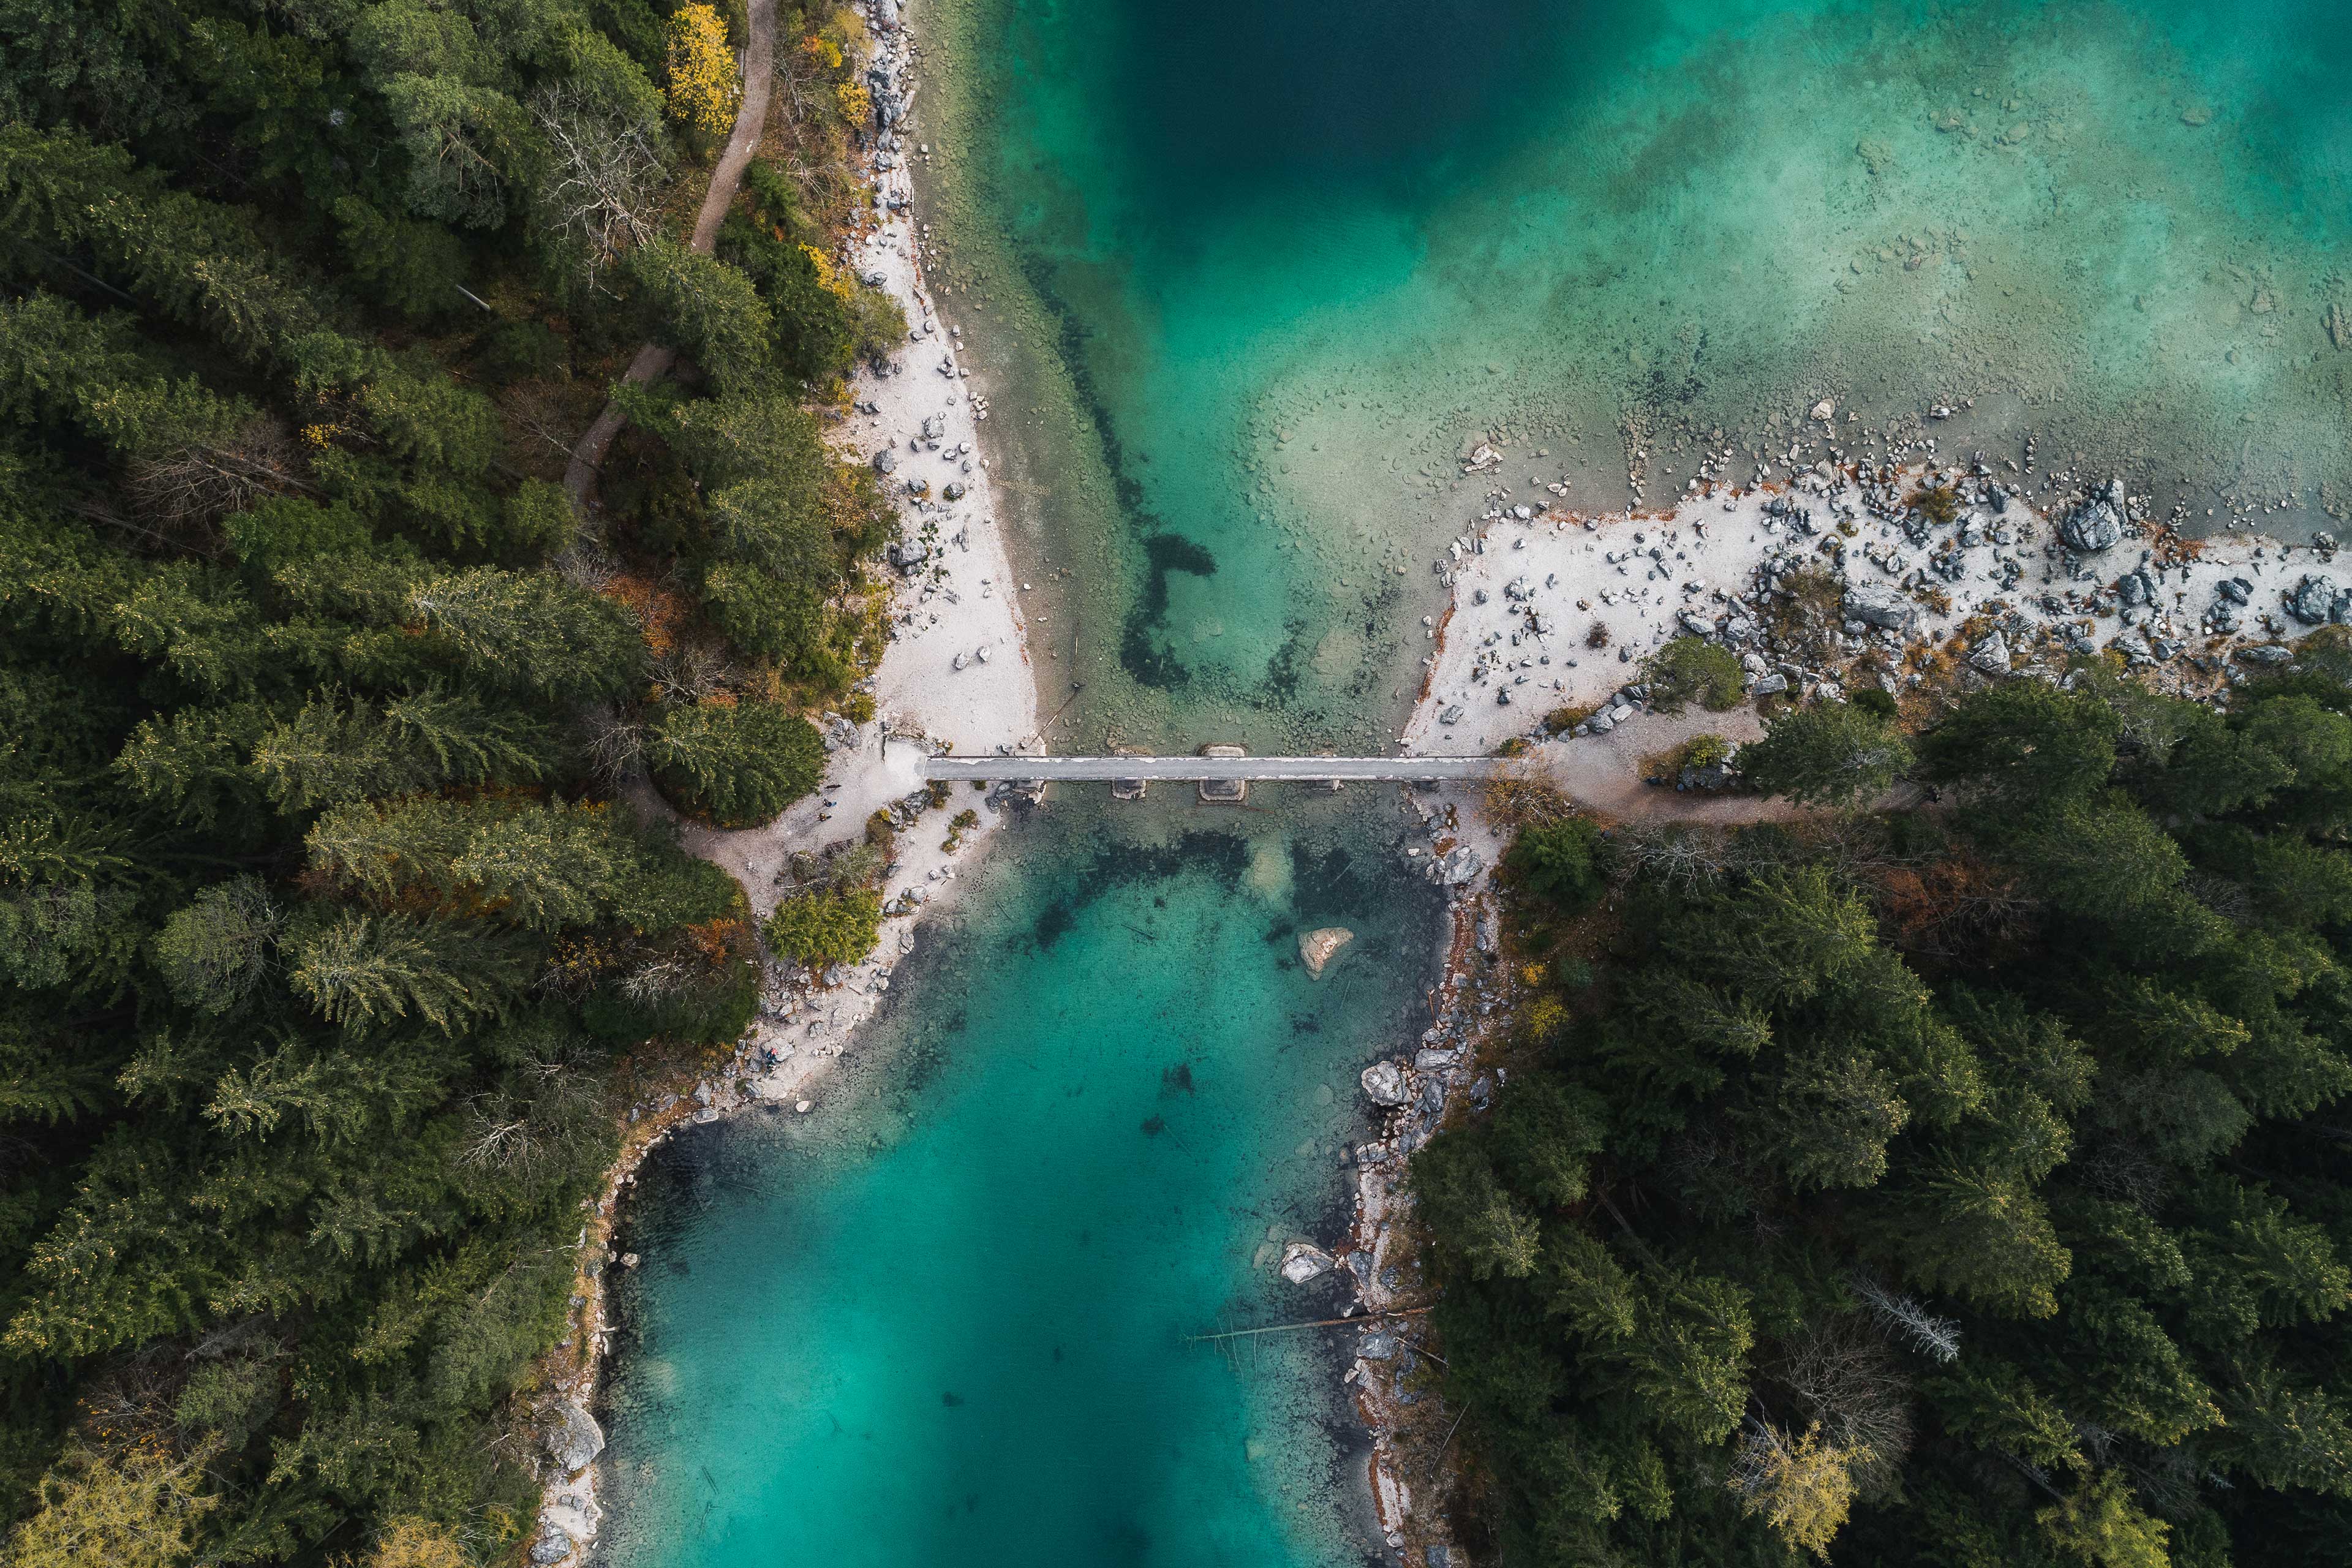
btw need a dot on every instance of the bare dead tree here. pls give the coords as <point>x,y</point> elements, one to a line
<point>533,412</point>
<point>661,976</point>
<point>793,73</point>
<point>1852,1384</point>
<point>605,173</point>
<point>1681,856</point>
<point>518,1127</point>
<point>688,672</point>
<point>1907,1319</point>
<point>2118,1169</point>
<point>615,744</point>
<point>187,490</point>
<point>586,562</point>
<point>1522,794</point>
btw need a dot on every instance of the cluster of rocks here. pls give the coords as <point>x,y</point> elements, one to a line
<point>888,81</point>
<point>1870,572</point>
<point>839,731</point>
<point>568,1519</point>
<point>1982,515</point>
<point>1410,1093</point>
<point>1619,705</point>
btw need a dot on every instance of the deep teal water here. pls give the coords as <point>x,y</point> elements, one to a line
<point>943,1320</point>
<point>1246,274</point>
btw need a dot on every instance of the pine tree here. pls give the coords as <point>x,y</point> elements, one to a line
<point>738,764</point>
<point>782,531</point>
<point>216,951</point>
<point>1832,754</point>
<point>1688,1356</point>
<point>1982,1234</point>
<point>370,970</point>
<point>705,309</point>
<point>531,631</point>
<point>2026,744</point>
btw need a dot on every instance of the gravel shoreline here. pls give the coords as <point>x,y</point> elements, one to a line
<point>955,677</point>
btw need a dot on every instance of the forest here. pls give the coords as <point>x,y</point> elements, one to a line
<point>1959,1177</point>
<point>340,901</point>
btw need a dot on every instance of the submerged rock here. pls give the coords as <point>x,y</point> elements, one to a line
<point>1303,1261</point>
<point>1317,948</point>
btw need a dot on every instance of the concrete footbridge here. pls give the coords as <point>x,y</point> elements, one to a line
<point>1213,767</point>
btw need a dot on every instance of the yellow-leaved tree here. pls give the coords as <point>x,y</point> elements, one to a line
<point>412,1542</point>
<point>137,1508</point>
<point>1803,1486</point>
<point>703,89</point>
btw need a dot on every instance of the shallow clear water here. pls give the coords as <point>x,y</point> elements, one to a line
<point>1280,258</point>
<point>943,1320</point>
<point>1244,275</point>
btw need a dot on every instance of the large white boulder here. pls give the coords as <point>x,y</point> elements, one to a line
<point>1383,1083</point>
<point>574,1439</point>
<point>1889,609</point>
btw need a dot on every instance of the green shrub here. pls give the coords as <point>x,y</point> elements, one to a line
<point>737,765</point>
<point>1706,751</point>
<point>1690,670</point>
<point>1938,504</point>
<point>821,926</point>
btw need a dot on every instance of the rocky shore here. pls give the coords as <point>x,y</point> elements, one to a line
<point>1893,576</point>
<point>955,677</point>
<point>1903,576</point>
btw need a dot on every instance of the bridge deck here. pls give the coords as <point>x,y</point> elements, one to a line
<point>1214,769</point>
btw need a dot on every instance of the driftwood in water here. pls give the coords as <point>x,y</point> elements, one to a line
<point>1319,1323</point>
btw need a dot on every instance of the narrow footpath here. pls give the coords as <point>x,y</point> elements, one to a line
<point>653,362</point>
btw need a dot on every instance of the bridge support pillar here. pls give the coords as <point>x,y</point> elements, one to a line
<point>1224,791</point>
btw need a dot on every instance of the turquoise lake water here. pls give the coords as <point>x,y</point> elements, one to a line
<point>943,1320</point>
<point>1245,276</point>
<point>1257,270</point>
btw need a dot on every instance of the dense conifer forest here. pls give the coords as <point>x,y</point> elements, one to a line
<point>1968,1184</point>
<point>336,910</point>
